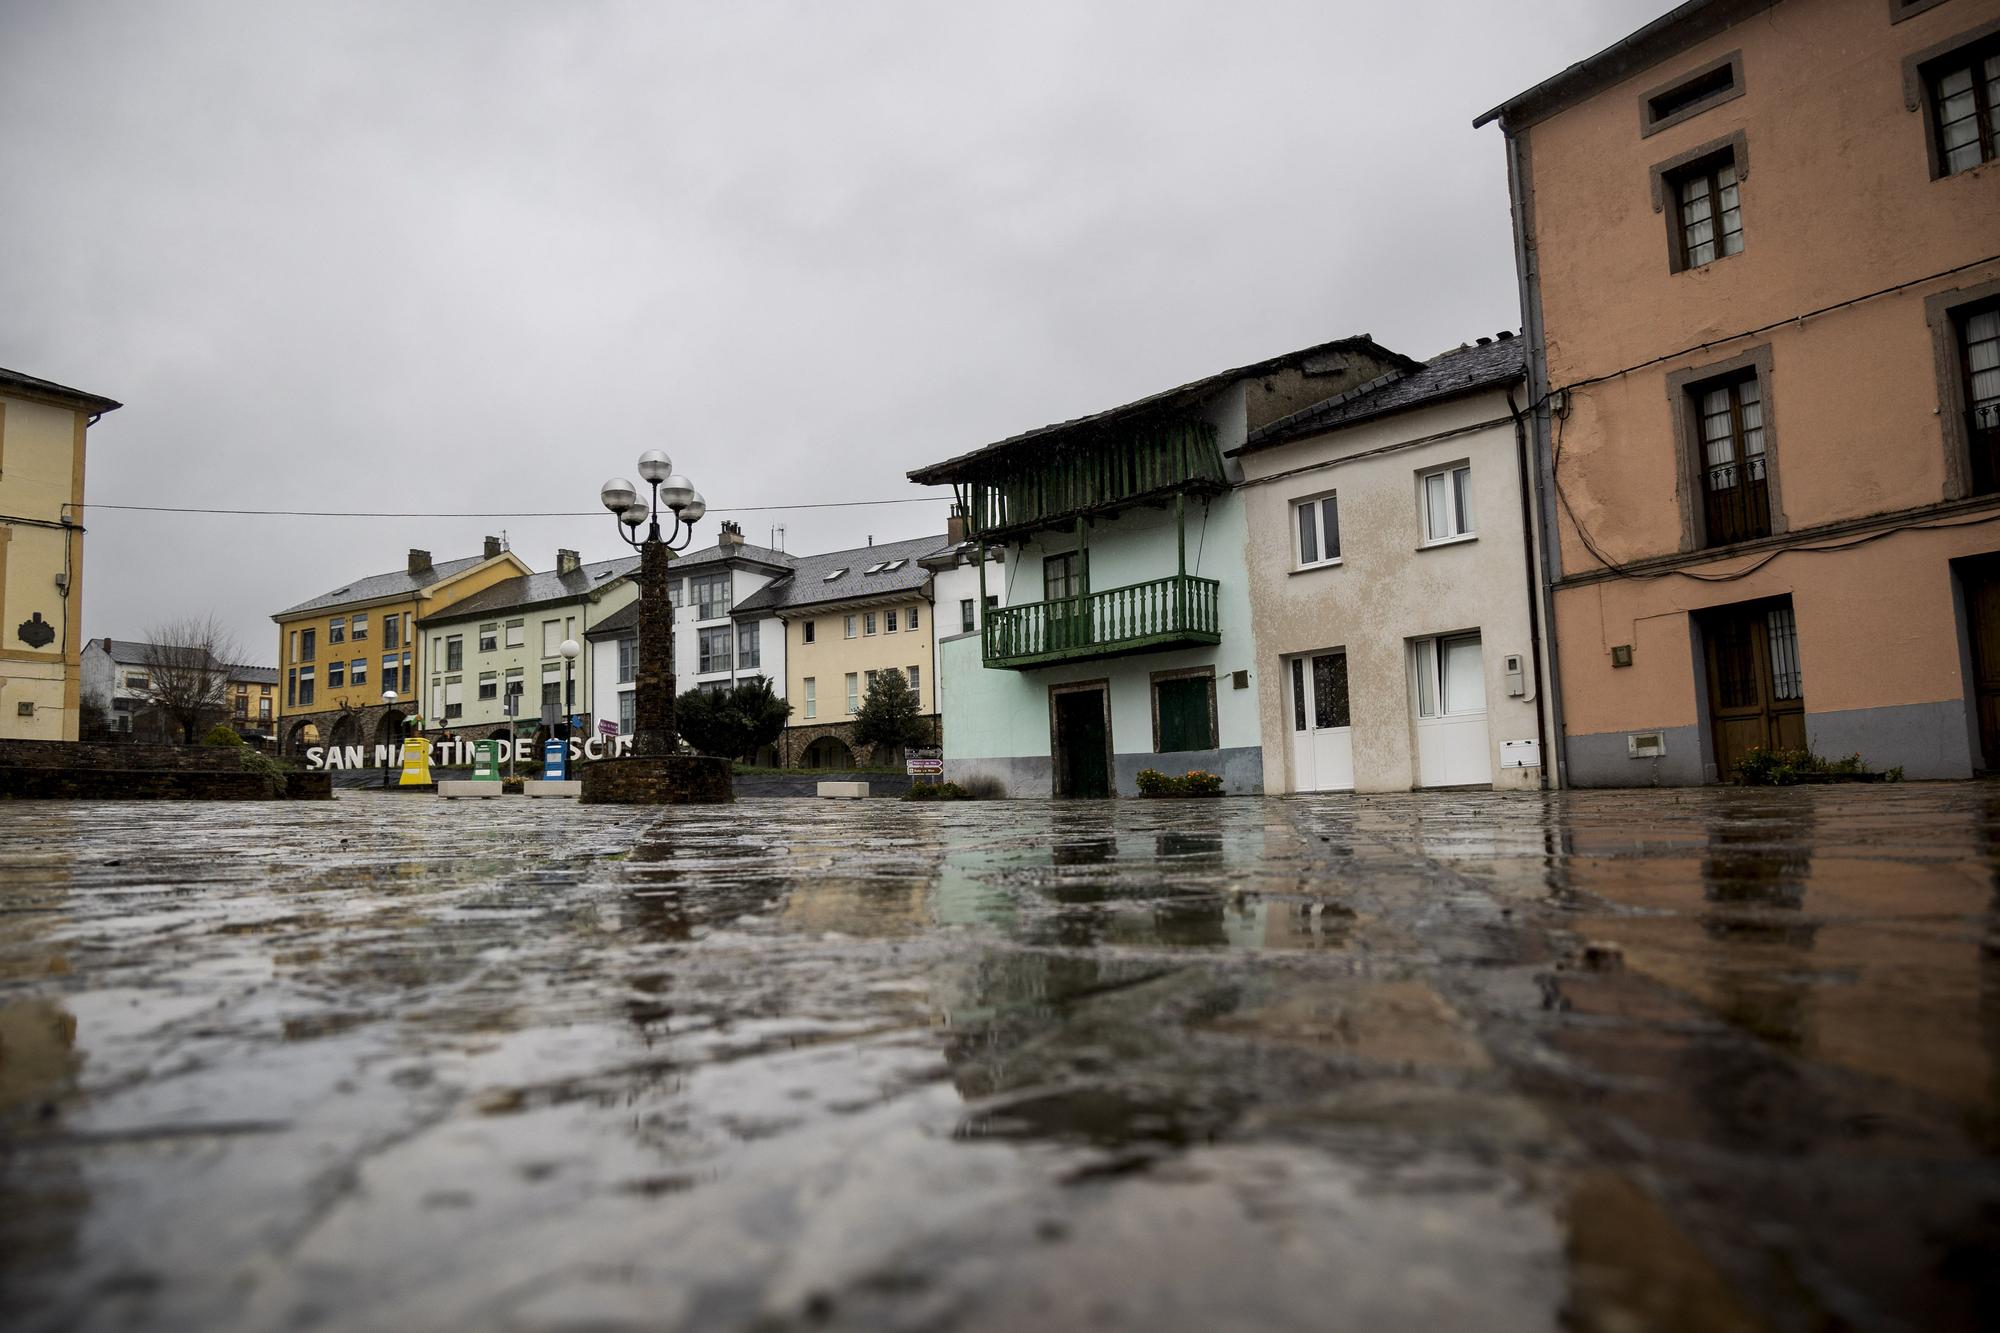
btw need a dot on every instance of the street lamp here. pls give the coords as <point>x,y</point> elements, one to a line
<point>570,648</point>
<point>388,706</point>
<point>653,685</point>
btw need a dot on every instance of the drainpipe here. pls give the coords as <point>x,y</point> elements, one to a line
<point>1527,262</point>
<point>1534,589</point>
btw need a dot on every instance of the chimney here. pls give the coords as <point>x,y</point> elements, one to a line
<point>730,534</point>
<point>420,561</point>
<point>492,547</point>
<point>954,527</point>
<point>568,562</point>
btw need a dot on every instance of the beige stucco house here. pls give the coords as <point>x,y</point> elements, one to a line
<point>42,427</point>
<point>1392,592</point>
<point>1756,243</point>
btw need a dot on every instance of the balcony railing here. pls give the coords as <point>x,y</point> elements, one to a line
<point>1103,476</point>
<point>1173,612</point>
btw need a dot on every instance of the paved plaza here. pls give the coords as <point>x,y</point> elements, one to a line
<point>1710,1059</point>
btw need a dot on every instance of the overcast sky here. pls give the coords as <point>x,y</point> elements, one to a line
<point>477,256</point>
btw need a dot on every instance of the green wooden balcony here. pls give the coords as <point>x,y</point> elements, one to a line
<point>1016,496</point>
<point>1178,611</point>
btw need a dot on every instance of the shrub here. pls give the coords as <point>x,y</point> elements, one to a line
<point>1788,768</point>
<point>986,788</point>
<point>255,761</point>
<point>937,791</point>
<point>220,734</point>
<point>1194,782</point>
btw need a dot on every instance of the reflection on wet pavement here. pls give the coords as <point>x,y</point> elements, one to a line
<point>1603,1061</point>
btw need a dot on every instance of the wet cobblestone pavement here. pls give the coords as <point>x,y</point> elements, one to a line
<point>1610,1061</point>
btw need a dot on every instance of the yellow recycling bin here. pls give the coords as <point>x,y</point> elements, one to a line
<point>416,763</point>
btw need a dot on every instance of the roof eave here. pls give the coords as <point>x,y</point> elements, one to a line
<point>1308,431</point>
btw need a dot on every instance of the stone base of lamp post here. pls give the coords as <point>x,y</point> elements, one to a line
<point>672,779</point>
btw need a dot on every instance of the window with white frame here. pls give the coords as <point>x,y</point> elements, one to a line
<point>889,621</point>
<point>913,682</point>
<point>748,652</point>
<point>966,623</point>
<point>867,622</point>
<point>552,636</point>
<point>1316,531</point>
<point>710,593</point>
<point>853,693</point>
<point>807,630</point>
<point>489,637</point>
<point>714,649</point>
<point>1450,678</point>
<point>812,697</point>
<point>628,659</point>
<point>517,633</point>
<point>627,712</point>
<point>911,619</point>
<point>1446,497</point>
<point>850,626</point>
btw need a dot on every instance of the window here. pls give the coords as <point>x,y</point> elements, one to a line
<point>853,694</point>
<point>889,621</point>
<point>308,649</point>
<point>454,653</point>
<point>747,651</point>
<point>628,719</point>
<point>336,632</point>
<point>1317,523</point>
<point>305,687</point>
<point>406,674</point>
<point>552,638</point>
<point>711,595</point>
<point>1691,94</point>
<point>714,649</point>
<point>1978,329</point>
<point>263,710</point>
<point>1733,476</point>
<point>806,631</point>
<point>812,697</point>
<point>835,574</point>
<point>1708,216</point>
<point>388,667</point>
<point>1061,577</point>
<point>295,647</point>
<point>1446,495</point>
<point>677,593</point>
<point>137,680</point>
<point>911,620</point>
<point>552,685</point>
<point>1328,693</point>
<point>1964,95</point>
<point>1450,680</point>
<point>390,625</point>
<point>517,634</point>
<point>489,685</point>
<point>850,626</point>
<point>966,620</point>
<point>357,671</point>
<point>516,683</point>
<point>867,622</point>
<point>914,687</point>
<point>291,689</point>
<point>357,629</point>
<point>336,674</point>
<point>454,700</point>
<point>1183,710</point>
<point>628,659</point>
<point>489,638</point>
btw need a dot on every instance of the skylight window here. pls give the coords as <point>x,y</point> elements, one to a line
<point>875,568</point>
<point>836,574</point>
<point>893,566</point>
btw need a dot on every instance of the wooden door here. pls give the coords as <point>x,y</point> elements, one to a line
<point>1082,743</point>
<point>1982,625</point>
<point>1756,691</point>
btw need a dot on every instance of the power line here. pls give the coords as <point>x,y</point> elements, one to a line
<point>489,513</point>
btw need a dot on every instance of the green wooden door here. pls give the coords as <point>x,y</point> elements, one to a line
<point>1083,744</point>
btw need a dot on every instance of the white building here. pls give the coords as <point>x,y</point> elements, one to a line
<point>1121,639</point>
<point>1392,589</point>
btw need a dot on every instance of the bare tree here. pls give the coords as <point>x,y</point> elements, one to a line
<point>187,671</point>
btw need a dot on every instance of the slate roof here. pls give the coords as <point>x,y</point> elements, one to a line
<point>709,555</point>
<point>137,652</point>
<point>529,590</point>
<point>41,388</point>
<point>398,583</point>
<point>1666,36</point>
<point>807,585</point>
<point>1460,371</point>
<point>622,621</point>
<point>1192,391</point>
<point>255,675</point>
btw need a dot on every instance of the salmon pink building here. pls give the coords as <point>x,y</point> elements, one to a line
<point>1759,250</point>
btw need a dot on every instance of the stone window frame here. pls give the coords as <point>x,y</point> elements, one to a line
<point>1917,90</point>
<point>1650,125</point>
<point>1153,681</point>
<point>1909,9</point>
<point>1688,468</point>
<point>1737,145</point>
<point>1941,314</point>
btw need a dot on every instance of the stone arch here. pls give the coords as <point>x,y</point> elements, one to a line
<point>301,734</point>
<point>389,729</point>
<point>829,752</point>
<point>346,730</point>
<point>766,757</point>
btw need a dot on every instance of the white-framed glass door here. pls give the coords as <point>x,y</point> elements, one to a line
<point>1453,745</point>
<point>1322,733</point>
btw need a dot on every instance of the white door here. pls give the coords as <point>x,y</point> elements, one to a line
<point>1322,739</point>
<point>1452,745</point>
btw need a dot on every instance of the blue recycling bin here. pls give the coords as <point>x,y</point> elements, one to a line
<point>555,760</point>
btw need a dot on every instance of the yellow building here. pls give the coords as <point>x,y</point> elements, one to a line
<point>849,615</point>
<point>42,427</point>
<point>339,653</point>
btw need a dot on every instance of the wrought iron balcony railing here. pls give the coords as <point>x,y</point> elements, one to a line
<point>1177,611</point>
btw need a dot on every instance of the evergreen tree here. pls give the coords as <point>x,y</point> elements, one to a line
<point>891,715</point>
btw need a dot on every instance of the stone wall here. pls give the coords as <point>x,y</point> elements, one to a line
<point>795,741</point>
<point>120,757</point>
<point>60,770</point>
<point>682,779</point>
